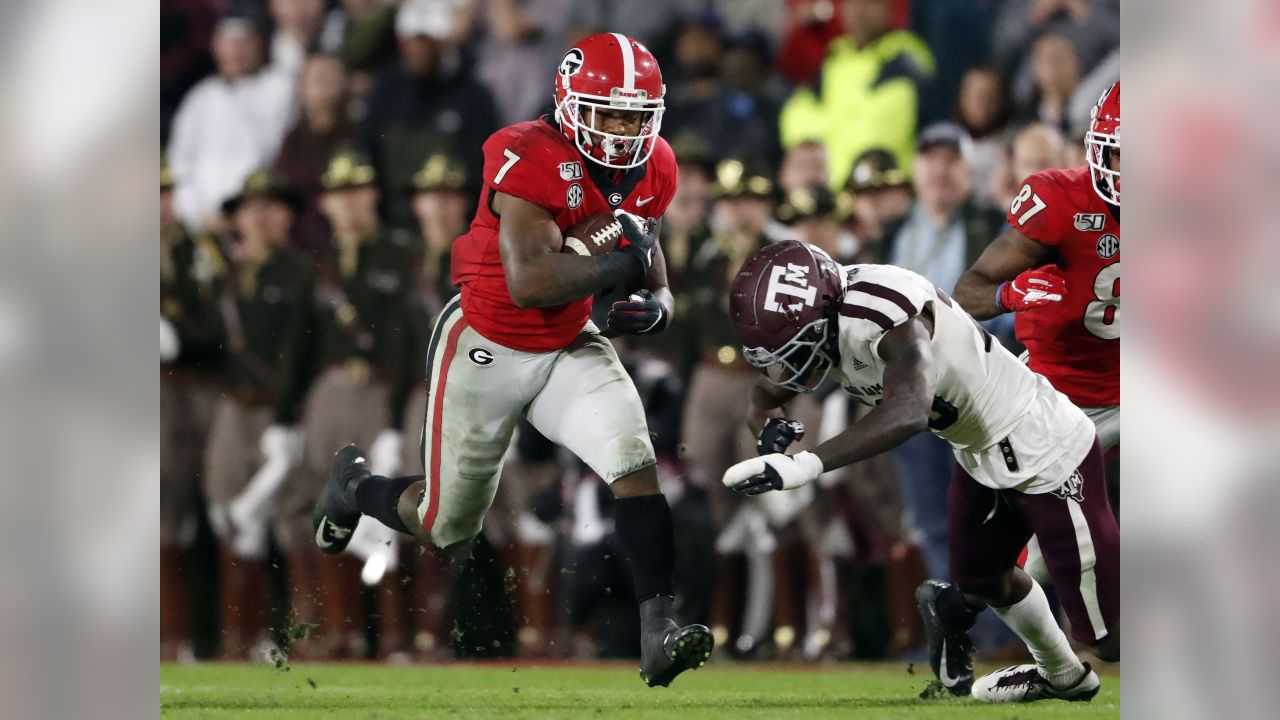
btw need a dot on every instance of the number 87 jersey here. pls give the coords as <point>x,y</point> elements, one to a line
<point>1074,343</point>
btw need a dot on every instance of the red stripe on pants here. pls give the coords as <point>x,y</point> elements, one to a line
<point>433,502</point>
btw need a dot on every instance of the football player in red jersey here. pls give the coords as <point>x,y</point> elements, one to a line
<point>518,341</point>
<point>1058,268</point>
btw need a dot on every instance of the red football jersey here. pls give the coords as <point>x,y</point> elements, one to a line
<point>535,162</point>
<point>1074,343</point>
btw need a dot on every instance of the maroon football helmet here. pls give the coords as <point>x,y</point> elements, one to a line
<point>783,305</point>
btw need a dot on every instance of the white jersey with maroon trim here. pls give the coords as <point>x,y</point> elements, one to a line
<point>1008,426</point>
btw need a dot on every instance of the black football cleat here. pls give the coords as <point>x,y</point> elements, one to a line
<point>666,649</point>
<point>950,650</point>
<point>335,516</point>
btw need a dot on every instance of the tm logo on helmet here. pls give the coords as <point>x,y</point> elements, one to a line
<point>792,280</point>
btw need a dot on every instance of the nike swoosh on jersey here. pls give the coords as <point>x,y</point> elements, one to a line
<point>643,202</point>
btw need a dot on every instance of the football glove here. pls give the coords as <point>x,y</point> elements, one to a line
<point>773,472</point>
<point>639,238</point>
<point>778,434</point>
<point>1032,288</point>
<point>640,314</point>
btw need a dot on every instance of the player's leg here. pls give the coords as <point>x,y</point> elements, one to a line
<point>471,413</point>
<point>1107,422</point>
<point>987,541</point>
<point>590,406</point>
<point>979,526</point>
<point>1081,544</point>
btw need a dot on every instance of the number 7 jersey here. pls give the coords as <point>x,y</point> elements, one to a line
<point>1075,343</point>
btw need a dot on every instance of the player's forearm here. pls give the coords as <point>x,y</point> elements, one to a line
<point>558,278</point>
<point>976,293</point>
<point>886,427</point>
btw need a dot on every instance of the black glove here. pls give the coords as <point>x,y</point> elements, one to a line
<point>642,314</point>
<point>777,435</point>
<point>639,238</point>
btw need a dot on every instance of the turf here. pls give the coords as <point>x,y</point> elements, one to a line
<point>599,691</point>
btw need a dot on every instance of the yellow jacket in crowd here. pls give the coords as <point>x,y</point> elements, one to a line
<point>864,98</point>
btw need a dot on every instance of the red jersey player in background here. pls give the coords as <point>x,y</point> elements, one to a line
<point>1058,268</point>
<point>518,341</point>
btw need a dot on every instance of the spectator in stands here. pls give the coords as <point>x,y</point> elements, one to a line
<point>1092,27</point>
<point>958,32</point>
<point>1036,147</point>
<point>229,124</point>
<point>882,196</point>
<point>730,121</point>
<point>741,17</point>
<point>520,41</point>
<point>811,26</point>
<point>647,22</point>
<point>362,33</point>
<point>1056,69</point>
<point>983,111</point>
<point>443,209</point>
<point>804,165</point>
<point>816,214</point>
<point>941,237</point>
<point>868,92</point>
<point>185,29</point>
<point>298,24</point>
<point>322,128</point>
<point>425,104</point>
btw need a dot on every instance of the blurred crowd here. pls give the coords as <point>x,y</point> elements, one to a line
<point>321,156</point>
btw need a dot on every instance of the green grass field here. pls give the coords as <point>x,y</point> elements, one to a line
<point>596,691</point>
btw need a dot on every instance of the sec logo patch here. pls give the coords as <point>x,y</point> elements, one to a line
<point>573,198</point>
<point>480,356</point>
<point>1108,246</point>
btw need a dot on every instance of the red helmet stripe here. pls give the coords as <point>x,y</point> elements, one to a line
<point>628,61</point>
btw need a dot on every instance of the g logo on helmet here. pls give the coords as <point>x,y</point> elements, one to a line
<point>571,63</point>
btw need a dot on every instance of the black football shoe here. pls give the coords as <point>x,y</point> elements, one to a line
<point>335,516</point>
<point>666,649</point>
<point>950,649</point>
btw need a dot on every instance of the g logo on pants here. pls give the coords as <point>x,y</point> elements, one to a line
<point>480,356</point>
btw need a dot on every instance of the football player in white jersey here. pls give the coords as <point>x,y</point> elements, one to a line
<point>1027,459</point>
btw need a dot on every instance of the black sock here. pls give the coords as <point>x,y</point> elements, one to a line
<point>647,536</point>
<point>954,612</point>
<point>378,497</point>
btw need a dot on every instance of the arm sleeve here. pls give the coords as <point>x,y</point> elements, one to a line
<point>1039,209</point>
<point>520,169</point>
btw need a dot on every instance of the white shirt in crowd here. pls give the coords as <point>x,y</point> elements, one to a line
<point>224,130</point>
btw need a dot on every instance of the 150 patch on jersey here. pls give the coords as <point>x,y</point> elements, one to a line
<point>1086,222</point>
<point>570,171</point>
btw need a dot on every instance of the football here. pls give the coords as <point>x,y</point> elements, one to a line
<point>596,235</point>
